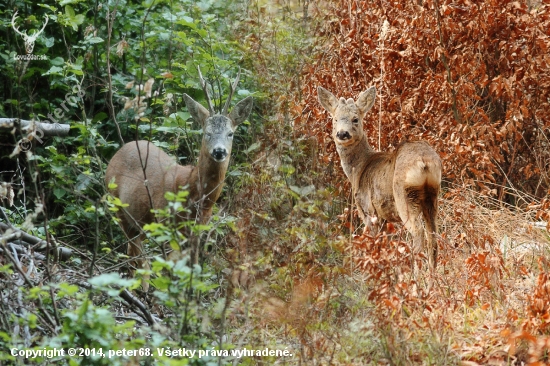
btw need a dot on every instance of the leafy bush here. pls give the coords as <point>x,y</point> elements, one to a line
<point>114,72</point>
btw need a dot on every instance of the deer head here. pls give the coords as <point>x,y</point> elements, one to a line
<point>29,40</point>
<point>218,128</point>
<point>347,115</point>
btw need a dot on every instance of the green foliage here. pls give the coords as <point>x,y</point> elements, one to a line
<point>114,72</point>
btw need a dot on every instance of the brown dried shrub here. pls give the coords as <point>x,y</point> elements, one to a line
<point>469,77</point>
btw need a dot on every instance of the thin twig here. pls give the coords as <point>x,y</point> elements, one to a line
<point>96,243</point>
<point>29,283</point>
<point>385,26</point>
<point>351,223</point>
<point>228,298</point>
<point>130,300</point>
<point>111,106</point>
<point>457,116</point>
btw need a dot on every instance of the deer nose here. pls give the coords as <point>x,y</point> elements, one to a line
<point>219,154</point>
<point>343,135</point>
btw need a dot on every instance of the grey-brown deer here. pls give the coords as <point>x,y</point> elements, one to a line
<point>400,185</point>
<point>143,173</point>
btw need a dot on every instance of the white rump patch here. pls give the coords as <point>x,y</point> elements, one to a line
<point>421,173</point>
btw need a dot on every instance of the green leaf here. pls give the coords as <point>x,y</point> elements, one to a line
<point>58,61</point>
<point>94,40</point>
<point>69,11</point>
<point>67,2</point>
<point>5,336</point>
<point>287,169</point>
<point>244,92</point>
<point>161,283</point>
<point>159,264</point>
<point>101,116</point>
<point>66,289</point>
<point>187,21</point>
<point>49,41</point>
<point>107,279</point>
<point>254,146</point>
<point>54,70</point>
<point>74,20</point>
<point>59,193</point>
<point>154,226</point>
<point>82,182</point>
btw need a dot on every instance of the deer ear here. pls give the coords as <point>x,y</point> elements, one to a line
<point>241,111</point>
<point>366,100</point>
<point>198,112</point>
<point>327,100</point>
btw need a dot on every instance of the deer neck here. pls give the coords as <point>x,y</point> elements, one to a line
<point>208,178</point>
<point>354,157</point>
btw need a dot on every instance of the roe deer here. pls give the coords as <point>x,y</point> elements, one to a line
<point>144,173</point>
<point>403,184</point>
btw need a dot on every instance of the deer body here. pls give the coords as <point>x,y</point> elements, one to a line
<point>143,173</point>
<point>394,186</point>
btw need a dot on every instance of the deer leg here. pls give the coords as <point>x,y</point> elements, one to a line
<point>135,251</point>
<point>408,204</point>
<point>371,221</point>
<point>429,211</point>
<point>414,226</point>
<point>373,225</point>
<point>411,219</point>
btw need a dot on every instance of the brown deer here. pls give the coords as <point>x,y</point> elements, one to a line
<point>143,173</point>
<point>400,185</point>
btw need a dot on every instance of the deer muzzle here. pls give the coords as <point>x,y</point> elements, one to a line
<point>343,135</point>
<point>219,154</point>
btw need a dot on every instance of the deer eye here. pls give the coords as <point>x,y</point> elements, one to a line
<point>230,134</point>
<point>355,120</point>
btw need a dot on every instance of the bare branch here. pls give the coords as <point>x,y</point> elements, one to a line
<point>130,300</point>
<point>37,243</point>
<point>205,89</point>
<point>51,323</point>
<point>231,91</point>
<point>47,129</point>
